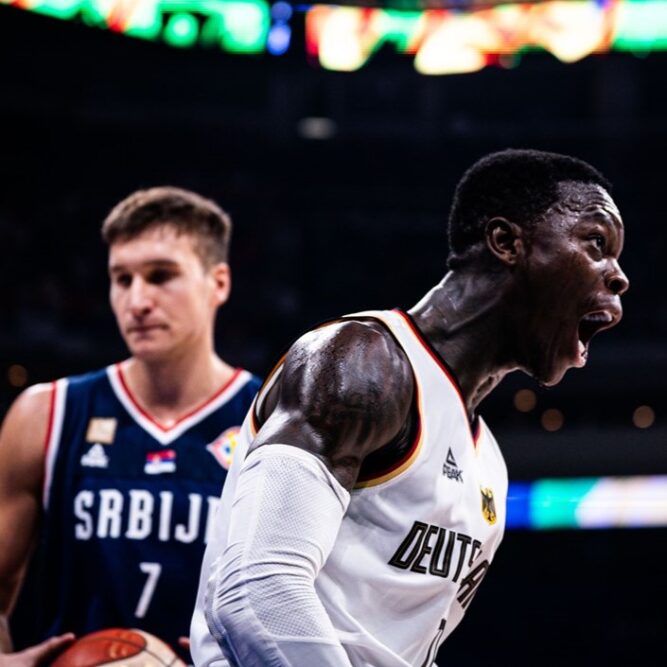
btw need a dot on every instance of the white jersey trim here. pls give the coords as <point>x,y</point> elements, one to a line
<point>56,419</point>
<point>164,435</point>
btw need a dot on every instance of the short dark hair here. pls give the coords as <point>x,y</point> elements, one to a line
<point>186,211</point>
<point>517,184</point>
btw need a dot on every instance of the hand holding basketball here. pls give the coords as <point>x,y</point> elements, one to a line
<point>36,655</point>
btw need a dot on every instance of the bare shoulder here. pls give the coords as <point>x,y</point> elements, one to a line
<point>24,430</point>
<point>345,390</point>
<point>355,361</point>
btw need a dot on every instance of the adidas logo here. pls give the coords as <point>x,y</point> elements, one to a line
<point>95,457</point>
<point>450,469</point>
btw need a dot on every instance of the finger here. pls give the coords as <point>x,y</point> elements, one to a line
<point>184,642</point>
<point>47,647</point>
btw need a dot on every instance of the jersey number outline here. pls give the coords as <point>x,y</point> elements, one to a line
<point>153,570</point>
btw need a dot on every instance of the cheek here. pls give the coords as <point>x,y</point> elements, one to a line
<point>190,306</point>
<point>115,301</point>
<point>563,278</point>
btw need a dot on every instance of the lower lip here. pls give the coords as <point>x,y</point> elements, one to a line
<point>144,330</point>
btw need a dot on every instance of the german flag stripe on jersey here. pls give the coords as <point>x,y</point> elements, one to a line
<point>406,461</point>
<point>255,424</point>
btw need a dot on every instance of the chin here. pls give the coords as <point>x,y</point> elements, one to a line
<point>548,375</point>
<point>148,352</point>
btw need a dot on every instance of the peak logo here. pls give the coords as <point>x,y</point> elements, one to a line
<point>450,469</point>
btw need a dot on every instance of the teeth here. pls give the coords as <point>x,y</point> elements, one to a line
<point>582,356</point>
<point>598,317</point>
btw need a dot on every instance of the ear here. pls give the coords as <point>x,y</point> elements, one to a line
<point>222,277</point>
<point>505,240</point>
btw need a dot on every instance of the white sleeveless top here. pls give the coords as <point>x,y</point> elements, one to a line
<point>416,540</point>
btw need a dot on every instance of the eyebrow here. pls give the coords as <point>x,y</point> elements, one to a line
<point>603,215</point>
<point>608,219</point>
<point>158,263</point>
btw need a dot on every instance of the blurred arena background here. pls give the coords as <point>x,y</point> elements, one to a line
<point>334,137</point>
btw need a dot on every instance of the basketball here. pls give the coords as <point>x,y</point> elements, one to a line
<point>119,647</point>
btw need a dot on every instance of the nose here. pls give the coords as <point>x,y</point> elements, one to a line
<point>140,300</point>
<point>617,282</point>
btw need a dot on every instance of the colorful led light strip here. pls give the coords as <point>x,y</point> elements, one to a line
<point>345,38</point>
<point>451,42</point>
<point>591,502</point>
<point>237,26</point>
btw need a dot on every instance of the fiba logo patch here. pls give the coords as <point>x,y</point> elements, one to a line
<point>223,447</point>
<point>101,429</point>
<point>488,506</point>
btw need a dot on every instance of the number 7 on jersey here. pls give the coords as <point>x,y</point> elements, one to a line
<point>153,570</point>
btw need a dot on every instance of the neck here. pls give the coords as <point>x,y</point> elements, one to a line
<point>168,389</point>
<point>464,319</point>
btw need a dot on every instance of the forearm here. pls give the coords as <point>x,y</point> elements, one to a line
<point>261,606</point>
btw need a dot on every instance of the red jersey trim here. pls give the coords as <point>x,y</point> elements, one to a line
<point>188,415</point>
<point>52,416</point>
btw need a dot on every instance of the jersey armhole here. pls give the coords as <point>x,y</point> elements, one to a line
<point>396,466</point>
<point>392,467</point>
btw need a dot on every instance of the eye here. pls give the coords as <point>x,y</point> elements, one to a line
<point>159,276</point>
<point>123,279</point>
<point>599,241</point>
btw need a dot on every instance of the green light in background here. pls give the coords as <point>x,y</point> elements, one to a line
<point>641,26</point>
<point>398,28</point>
<point>60,9</point>
<point>239,26</point>
<point>246,26</point>
<point>554,502</point>
<point>181,30</point>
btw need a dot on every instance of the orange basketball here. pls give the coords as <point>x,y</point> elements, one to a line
<point>118,647</point>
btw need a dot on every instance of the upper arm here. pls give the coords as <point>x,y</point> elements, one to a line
<point>22,452</point>
<point>345,391</point>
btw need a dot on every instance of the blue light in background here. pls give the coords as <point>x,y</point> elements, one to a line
<point>518,505</point>
<point>279,39</point>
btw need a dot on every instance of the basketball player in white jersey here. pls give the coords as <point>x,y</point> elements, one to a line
<point>367,497</point>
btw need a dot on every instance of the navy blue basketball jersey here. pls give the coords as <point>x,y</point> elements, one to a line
<point>128,504</point>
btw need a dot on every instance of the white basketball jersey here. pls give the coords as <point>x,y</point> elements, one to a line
<point>417,538</point>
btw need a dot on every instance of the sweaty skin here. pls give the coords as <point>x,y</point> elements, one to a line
<point>362,404</point>
<point>346,390</point>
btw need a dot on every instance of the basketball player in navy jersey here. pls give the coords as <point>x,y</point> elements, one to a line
<point>367,498</point>
<point>109,481</point>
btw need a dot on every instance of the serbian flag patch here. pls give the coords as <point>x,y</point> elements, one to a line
<point>160,462</point>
